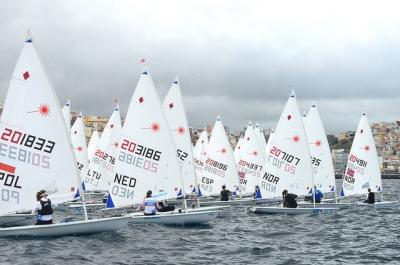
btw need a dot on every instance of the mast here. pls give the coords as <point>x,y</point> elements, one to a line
<point>84,203</point>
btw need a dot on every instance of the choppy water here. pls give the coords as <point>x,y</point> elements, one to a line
<point>363,235</point>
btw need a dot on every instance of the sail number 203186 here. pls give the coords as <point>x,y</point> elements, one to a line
<point>141,150</point>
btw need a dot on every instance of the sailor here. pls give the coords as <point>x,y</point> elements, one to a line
<point>195,200</point>
<point>224,194</point>
<point>43,209</point>
<point>318,195</point>
<point>289,199</point>
<point>162,206</point>
<point>148,204</point>
<point>370,197</point>
<point>257,193</point>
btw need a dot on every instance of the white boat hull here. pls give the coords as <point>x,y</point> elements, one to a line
<point>69,228</point>
<point>87,205</point>
<point>16,219</point>
<point>172,218</point>
<point>238,202</point>
<point>222,209</point>
<point>380,204</point>
<point>348,204</point>
<point>292,211</point>
<point>324,205</point>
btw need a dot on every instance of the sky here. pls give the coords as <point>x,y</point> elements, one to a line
<point>240,59</point>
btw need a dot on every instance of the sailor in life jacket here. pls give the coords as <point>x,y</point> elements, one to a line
<point>148,204</point>
<point>43,209</point>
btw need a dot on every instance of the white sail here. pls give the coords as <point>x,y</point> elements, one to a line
<point>321,159</point>
<point>102,165</point>
<point>260,138</point>
<point>199,156</point>
<point>219,166</point>
<point>78,140</point>
<point>250,161</point>
<point>147,155</point>
<point>237,148</point>
<point>271,135</point>
<point>35,147</point>
<point>176,117</point>
<point>93,142</point>
<point>362,171</point>
<point>288,164</point>
<point>66,111</point>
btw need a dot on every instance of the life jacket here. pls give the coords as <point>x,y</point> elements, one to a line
<point>291,200</point>
<point>149,206</point>
<point>224,195</point>
<point>371,197</point>
<point>257,194</point>
<point>318,196</point>
<point>46,208</point>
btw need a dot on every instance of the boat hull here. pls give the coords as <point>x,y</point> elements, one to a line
<point>291,211</point>
<point>16,219</point>
<point>324,205</point>
<point>71,228</point>
<point>238,202</point>
<point>222,209</point>
<point>87,205</point>
<point>179,219</point>
<point>380,204</point>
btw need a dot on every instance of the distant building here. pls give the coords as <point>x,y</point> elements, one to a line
<point>387,140</point>
<point>349,135</point>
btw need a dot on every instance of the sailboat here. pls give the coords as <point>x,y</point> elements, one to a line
<point>199,157</point>
<point>38,152</point>
<point>176,117</point>
<point>105,157</point>
<point>93,142</point>
<point>237,148</point>
<point>362,171</point>
<point>321,159</point>
<point>147,159</point>
<point>66,111</point>
<point>261,138</point>
<point>219,168</point>
<point>288,165</point>
<point>78,140</point>
<point>250,161</point>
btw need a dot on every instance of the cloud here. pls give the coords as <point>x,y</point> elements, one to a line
<point>239,59</point>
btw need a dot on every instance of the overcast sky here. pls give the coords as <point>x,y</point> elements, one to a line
<point>236,58</point>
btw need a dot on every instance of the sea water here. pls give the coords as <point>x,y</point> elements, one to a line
<point>356,235</point>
